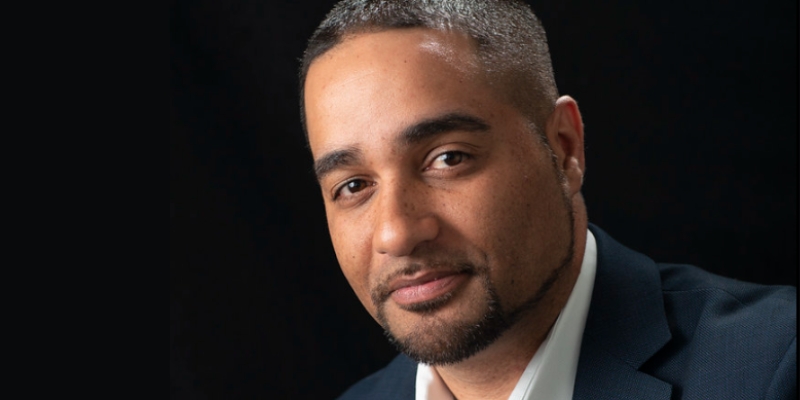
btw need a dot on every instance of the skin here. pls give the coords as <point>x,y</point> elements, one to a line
<point>399,205</point>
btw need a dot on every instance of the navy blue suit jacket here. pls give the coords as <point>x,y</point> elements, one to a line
<point>664,331</point>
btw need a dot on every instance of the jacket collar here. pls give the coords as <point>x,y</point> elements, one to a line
<point>626,326</point>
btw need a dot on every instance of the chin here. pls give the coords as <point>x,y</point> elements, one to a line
<point>442,331</point>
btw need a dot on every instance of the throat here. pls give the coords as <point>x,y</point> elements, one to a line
<point>508,358</point>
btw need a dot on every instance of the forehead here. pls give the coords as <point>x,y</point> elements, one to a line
<point>379,82</point>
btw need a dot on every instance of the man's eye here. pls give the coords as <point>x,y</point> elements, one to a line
<point>448,159</point>
<point>351,187</point>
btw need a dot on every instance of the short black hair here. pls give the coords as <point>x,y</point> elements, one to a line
<point>510,41</point>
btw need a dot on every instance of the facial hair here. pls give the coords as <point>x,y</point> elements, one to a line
<point>447,343</point>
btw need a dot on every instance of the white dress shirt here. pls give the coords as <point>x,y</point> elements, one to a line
<point>551,372</point>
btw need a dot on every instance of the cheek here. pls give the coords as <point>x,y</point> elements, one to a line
<point>351,245</point>
<point>501,204</point>
<point>508,217</point>
<point>518,222</point>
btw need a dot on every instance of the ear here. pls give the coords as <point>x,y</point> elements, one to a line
<point>565,133</point>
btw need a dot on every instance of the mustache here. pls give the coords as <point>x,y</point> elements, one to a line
<point>381,291</point>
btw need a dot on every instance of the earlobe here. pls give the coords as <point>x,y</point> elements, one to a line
<point>574,174</point>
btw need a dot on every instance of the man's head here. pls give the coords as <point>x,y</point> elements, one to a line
<point>455,215</point>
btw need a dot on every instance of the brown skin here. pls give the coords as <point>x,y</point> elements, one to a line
<point>490,198</point>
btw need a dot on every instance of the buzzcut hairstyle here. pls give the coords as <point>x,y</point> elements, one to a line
<point>510,43</point>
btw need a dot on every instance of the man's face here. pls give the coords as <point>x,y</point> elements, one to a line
<point>447,214</point>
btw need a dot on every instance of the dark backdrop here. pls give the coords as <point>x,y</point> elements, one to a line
<point>691,131</point>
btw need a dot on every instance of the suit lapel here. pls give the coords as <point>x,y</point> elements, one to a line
<point>626,325</point>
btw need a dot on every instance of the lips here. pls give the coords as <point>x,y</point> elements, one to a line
<point>426,286</point>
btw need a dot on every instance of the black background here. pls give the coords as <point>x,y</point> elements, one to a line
<point>691,132</point>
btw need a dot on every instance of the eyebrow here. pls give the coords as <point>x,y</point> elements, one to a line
<point>336,159</point>
<point>411,135</point>
<point>435,126</point>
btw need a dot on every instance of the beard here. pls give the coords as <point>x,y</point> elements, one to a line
<point>444,342</point>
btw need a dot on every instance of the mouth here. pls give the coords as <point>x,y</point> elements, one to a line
<point>425,287</point>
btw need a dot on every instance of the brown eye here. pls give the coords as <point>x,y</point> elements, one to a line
<point>448,159</point>
<point>355,186</point>
<point>351,188</point>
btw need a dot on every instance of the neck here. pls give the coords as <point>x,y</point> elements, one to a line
<point>494,372</point>
<point>508,358</point>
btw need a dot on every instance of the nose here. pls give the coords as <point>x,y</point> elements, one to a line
<point>404,221</point>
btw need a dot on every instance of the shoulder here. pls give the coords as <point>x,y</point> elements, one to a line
<point>724,330</point>
<point>681,277</point>
<point>706,335</point>
<point>395,381</point>
<point>696,297</point>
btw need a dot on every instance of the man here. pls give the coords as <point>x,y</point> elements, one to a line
<point>451,172</point>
